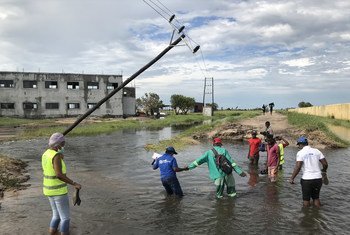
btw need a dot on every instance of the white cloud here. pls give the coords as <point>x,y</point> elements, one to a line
<point>246,45</point>
<point>302,62</point>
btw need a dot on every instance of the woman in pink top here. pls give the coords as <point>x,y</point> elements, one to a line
<point>273,159</point>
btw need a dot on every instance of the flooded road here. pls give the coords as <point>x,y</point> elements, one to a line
<point>122,194</point>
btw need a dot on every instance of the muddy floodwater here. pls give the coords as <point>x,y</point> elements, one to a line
<point>121,193</point>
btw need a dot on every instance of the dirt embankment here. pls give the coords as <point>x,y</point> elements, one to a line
<point>13,174</point>
<point>241,130</point>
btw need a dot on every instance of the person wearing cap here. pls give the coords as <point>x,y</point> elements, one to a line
<point>217,175</point>
<point>55,183</point>
<point>308,160</point>
<point>167,165</point>
<point>253,152</point>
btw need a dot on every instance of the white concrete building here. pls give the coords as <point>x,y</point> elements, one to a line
<point>37,95</point>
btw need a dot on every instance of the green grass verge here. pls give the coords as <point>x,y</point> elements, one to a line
<point>316,123</point>
<point>36,128</point>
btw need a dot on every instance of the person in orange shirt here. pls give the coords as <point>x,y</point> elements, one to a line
<point>253,153</point>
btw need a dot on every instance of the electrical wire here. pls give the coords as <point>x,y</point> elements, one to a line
<point>164,11</point>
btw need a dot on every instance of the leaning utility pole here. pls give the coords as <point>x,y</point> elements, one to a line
<point>132,77</point>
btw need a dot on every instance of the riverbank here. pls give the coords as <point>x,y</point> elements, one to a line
<point>289,125</point>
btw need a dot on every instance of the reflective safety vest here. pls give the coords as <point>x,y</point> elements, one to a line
<point>281,149</point>
<point>52,186</point>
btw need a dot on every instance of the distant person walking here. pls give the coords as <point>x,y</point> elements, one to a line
<point>167,165</point>
<point>271,105</point>
<point>264,108</point>
<point>308,159</point>
<point>55,184</point>
<point>253,152</point>
<point>217,175</point>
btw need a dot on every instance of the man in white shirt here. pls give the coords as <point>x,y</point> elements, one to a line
<point>308,159</point>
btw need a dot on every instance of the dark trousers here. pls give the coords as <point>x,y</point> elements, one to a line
<point>172,186</point>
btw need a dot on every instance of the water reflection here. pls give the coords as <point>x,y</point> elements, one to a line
<point>253,175</point>
<point>313,221</point>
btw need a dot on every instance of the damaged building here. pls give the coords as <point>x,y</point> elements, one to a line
<point>40,95</point>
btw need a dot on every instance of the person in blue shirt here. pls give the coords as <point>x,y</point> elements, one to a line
<point>167,165</point>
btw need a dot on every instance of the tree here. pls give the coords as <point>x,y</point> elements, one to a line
<point>150,103</point>
<point>182,104</point>
<point>303,104</point>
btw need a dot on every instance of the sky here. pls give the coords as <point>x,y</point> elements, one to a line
<point>257,52</point>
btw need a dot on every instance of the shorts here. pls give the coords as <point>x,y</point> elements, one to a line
<point>311,188</point>
<point>272,172</point>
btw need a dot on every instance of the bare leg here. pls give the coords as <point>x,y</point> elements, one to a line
<point>53,231</point>
<point>317,202</point>
<point>306,203</point>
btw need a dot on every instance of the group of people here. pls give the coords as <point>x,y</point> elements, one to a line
<point>55,179</point>
<point>308,159</point>
<point>265,108</point>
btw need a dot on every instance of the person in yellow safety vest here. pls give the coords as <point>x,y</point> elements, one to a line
<point>282,143</point>
<point>55,183</point>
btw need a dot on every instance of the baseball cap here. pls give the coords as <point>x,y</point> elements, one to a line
<point>217,141</point>
<point>171,150</point>
<point>302,140</point>
<point>254,132</point>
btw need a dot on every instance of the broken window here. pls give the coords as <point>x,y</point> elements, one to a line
<point>91,105</point>
<point>51,84</point>
<point>52,105</point>
<point>6,84</point>
<point>7,106</point>
<point>29,105</point>
<point>30,84</point>
<point>112,85</point>
<point>73,106</point>
<point>73,85</point>
<point>92,85</point>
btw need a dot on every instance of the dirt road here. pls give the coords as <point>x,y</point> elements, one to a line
<point>241,130</point>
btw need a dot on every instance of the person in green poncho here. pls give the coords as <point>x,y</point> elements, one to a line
<point>217,175</point>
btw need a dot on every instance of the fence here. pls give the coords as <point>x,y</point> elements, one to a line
<point>337,111</point>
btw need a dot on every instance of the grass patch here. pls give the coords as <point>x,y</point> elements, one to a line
<point>315,123</point>
<point>36,128</point>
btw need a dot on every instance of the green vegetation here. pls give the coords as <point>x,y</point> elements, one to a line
<point>12,122</point>
<point>315,123</point>
<point>45,127</point>
<point>185,138</point>
<point>34,128</point>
